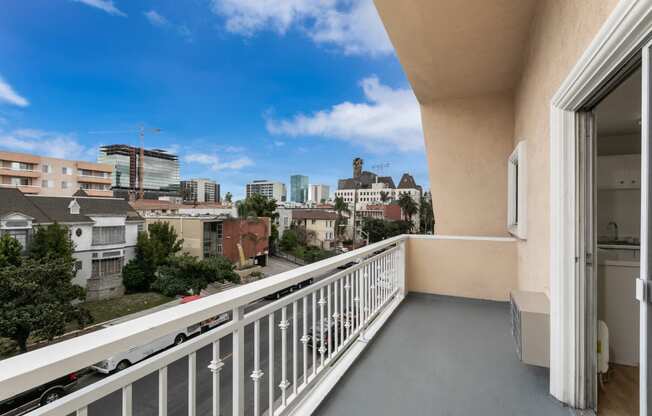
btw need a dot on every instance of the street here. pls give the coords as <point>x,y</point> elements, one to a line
<point>145,390</point>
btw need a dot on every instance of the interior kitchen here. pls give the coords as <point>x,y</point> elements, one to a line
<point>618,229</point>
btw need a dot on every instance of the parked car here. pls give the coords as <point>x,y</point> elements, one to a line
<point>121,361</point>
<point>290,289</point>
<point>38,396</point>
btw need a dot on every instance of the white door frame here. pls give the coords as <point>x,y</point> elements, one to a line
<point>621,37</point>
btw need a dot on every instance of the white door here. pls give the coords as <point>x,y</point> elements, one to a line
<point>643,292</point>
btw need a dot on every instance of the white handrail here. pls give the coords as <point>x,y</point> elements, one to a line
<point>34,368</point>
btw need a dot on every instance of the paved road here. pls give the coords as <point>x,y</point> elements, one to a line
<point>145,391</point>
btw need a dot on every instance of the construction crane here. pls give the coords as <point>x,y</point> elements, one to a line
<point>141,165</point>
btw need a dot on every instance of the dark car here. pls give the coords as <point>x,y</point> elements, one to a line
<point>290,289</point>
<point>38,396</point>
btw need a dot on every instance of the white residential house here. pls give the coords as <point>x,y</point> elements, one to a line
<point>104,232</point>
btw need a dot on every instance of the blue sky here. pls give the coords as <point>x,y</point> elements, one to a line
<point>242,89</point>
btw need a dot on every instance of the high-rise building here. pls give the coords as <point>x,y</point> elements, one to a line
<point>157,173</point>
<point>319,193</point>
<point>50,176</point>
<point>299,188</point>
<point>200,190</point>
<point>270,189</point>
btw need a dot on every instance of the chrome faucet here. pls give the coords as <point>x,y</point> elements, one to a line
<point>615,232</point>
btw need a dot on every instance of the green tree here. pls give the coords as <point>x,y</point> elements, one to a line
<point>384,196</point>
<point>51,241</point>
<point>340,207</point>
<point>185,274</point>
<point>228,197</point>
<point>134,277</point>
<point>257,205</point>
<point>408,206</point>
<point>289,240</point>
<point>379,229</point>
<point>154,248</point>
<point>10,250</point>
<point>426,214</point>
<point>37,299</point>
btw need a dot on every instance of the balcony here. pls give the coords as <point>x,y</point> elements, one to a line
<point>26,189</point>
<point>19,173</point>
<point>386,348</point>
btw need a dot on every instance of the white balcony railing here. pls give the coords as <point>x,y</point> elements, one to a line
<point>343,306</point>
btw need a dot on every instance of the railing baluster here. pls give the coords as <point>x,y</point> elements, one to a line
<point>314,329</point>
<point>257,373</point>
<point>336,317</point>
<point>163,391</point>
<point>304,339</point>
<point>356,306</point>
<point>270,409</point>
<point>347,290</point>
<point>215,366</point>
<point>343,310</point>
<point>192,384</point>
<point>285,383</point>
<point>238,362</point>
<point>328,319</point>
<point>322,302</point>
<point>82,412</point>
<point>127,406</point>
<point>294,347</point>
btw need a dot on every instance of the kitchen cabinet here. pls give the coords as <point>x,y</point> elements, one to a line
<point>619,172</point>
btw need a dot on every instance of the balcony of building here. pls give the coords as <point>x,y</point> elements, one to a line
<point>413,324</point>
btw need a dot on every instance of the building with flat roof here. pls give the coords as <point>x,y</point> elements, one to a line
<point>269,189</point>
<point>200,190</point>
<point>39,175</point>
<point>299,188</point>
<point>319,193</point>
<point>157,172</point>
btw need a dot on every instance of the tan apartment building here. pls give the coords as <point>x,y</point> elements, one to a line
<point>50,176</point>
<point>210,235</point>
<point>319,224</point>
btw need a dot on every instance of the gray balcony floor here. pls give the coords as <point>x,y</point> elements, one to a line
<point>443,356</point>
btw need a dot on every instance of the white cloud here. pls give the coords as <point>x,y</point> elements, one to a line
<point>8,95</point>
<point>216,164</point>
<point>158,20</point>
<point>390,117</point>
<point>155,18</point>
<point>104,5</point>
<point>351,25</point>
<point>53,144</point>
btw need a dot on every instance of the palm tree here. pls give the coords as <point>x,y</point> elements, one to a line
<point>228,197</point>
<point>408,206</point>
<point>384,196</point>
<point>426,214</point>
<point>340,207</point>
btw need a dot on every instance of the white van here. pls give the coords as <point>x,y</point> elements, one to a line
<point>125,359</point>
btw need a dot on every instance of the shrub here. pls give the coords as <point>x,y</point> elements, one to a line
<point>134,277</point>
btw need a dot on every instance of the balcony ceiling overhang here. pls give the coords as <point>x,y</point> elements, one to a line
<point>455,49</point>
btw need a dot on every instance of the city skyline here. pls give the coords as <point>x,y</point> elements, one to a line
<point>281,104</point>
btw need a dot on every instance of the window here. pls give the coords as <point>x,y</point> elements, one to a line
<point>65,185</point>
<point>106,267</point>
<point>108,235</point>
<point>46,168</point>
<point>46,183</point>
<point>517,191</point>
<point>66,170</point>
<point>19,235</point>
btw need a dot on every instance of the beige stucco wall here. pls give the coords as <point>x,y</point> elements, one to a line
<point>560,32</point>
<point>465,268</point>
<point>467,144</point>
<point>191,230</point>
